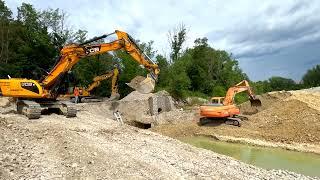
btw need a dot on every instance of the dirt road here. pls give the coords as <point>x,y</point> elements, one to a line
<point>95,146</point>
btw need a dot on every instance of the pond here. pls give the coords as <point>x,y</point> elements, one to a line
<point>268,158</point>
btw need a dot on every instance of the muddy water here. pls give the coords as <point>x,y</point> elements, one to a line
<point>268,158</point>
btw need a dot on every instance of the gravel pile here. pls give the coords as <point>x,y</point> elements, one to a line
<point>94,146</point>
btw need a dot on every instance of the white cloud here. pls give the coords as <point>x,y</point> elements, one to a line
<point>249,29</point>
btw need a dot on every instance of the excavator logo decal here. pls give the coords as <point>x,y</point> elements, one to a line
<point>92,49</point>
<point>30,86</point>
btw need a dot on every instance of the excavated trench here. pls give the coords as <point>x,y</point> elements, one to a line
<point>140,125</point>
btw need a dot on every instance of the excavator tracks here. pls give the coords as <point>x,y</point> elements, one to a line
<point>32,109</point>
<point>28,108</point>
<point>68,109</point>
<point>233,121</point>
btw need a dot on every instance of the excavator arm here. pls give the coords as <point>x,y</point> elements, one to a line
<point>238,88</point>
<point>114,84</point>
<point>70,55</point>
<point>97,80</point>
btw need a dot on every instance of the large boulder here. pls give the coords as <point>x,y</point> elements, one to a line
<point>4,102</point>
<point>139,107</point>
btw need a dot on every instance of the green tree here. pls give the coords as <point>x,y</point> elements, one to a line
<point>280,83</point>
<point>210,68</point>
<point>5,18</point>
<point>55,21</point>
<point>177,37</point>
<point>178,80</point>
<point>261,87</point>
<point>312,77</point>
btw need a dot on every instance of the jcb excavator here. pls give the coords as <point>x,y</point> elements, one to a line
<point>225,108</point>
<point>35,95</point>
<point>85,93</point>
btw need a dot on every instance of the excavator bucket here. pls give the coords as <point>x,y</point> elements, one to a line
<point>142,84</point>
<point>255,102</point>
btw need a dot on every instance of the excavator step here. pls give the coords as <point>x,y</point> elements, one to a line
<point>118,117</point>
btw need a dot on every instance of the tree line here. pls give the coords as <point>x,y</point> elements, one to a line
<point>30,44</point>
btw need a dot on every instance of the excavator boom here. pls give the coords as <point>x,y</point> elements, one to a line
<point>71,54</point>
<point>238,88</point>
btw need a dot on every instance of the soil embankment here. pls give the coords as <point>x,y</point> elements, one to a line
<point>289,120</point>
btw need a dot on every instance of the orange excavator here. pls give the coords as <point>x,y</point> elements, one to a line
<point>33,96</point>
<point>225,107</point>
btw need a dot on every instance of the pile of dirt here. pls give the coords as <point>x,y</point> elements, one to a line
<point>284,117</point>
<point>267,100</point>
<point>4,102</point>
<point>309,96</point>
<point>288,121</point>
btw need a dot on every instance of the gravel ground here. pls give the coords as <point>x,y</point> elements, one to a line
<point>94,146</point>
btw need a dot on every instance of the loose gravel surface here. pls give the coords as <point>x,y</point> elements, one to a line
<point>93,146</point>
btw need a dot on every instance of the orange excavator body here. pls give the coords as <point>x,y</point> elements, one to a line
<point>224,107</point>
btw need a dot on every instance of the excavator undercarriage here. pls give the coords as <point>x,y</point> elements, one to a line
<point>33,109</point>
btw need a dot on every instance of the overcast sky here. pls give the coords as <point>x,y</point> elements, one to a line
<point>269,38</point>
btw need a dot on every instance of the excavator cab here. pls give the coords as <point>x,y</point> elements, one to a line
<point>217,101</point>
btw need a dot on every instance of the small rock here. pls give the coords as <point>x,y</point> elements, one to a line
<point>90,162</point>
<point>74,165</point>
<point>11,168</point>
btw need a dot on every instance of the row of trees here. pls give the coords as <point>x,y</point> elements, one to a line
<point>30,44</point>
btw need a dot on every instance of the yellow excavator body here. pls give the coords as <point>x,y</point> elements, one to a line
<point>22,88</point>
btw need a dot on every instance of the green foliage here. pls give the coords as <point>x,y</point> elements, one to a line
<point>275,84</point>
<point>219,91</point>
<point>176,39</point>
<point>312,77</point>
<point>241,98</point>
<point>280,83</point>
<point>179,81</point>
<point>261,87</point>
<point>30,50</point>
<point>5,13</point>
<point>202,70</point>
